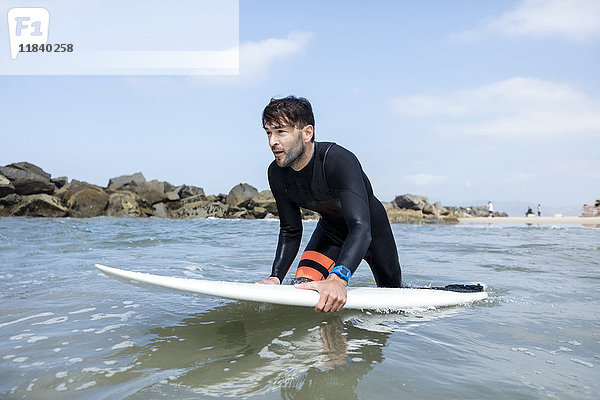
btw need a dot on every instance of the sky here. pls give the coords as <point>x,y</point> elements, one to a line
<point>461,101</point>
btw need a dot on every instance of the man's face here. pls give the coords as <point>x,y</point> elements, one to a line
<point>286,143</point>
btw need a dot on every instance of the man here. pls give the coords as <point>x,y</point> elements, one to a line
<point>326,178</point>
<point>490,207</point>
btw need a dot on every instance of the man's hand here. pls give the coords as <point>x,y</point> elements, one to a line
<point>332,293</point>
<point>273,280</point>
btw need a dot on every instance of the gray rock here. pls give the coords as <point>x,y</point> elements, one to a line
<point>411,202</point>
<point>153,191</point>
<point>198,197</point>
<point>161,210</point>
<point>259,212</point>
<point>33,169</point>
<point>242,214</point>
<point>6,187</point>
<point>28,181</point>
<point>60,181</point>
<point>126,182</point>
<point>40,205</point>
<point>429,210</point>
<point>202,209</point>
<point>440,210</point>
<point>265,195</point>
<point>174,195</point>
<point>10,200</point>
<point>8,204</point>
<point>67,191</point>
<point>88,202</point>
<point>190,191</point>
<point>124,204</point>
<point>241,193</point>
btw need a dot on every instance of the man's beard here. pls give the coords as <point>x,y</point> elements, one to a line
<point>292,155</point>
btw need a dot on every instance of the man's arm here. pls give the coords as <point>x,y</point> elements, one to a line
<point>290,233</point>
<point>346,176</point>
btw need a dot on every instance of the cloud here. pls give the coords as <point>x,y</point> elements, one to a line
<point>258,57</point>
<point>516,108</point>
<point>256,60</point>
<point>575,19</point>
<point>422,179</point>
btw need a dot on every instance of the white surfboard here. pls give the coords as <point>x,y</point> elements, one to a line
<point>360,298</point>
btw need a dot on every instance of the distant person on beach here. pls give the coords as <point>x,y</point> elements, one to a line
<point>326,178</point>
<point>539,210</point>
<point>529,212</point>
<point>490,207</point>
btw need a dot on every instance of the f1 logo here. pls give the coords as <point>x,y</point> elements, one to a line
<point>27,26</point>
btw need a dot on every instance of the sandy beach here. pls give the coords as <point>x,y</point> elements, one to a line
<point>531,220</point>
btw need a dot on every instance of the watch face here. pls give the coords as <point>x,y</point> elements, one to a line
<point>345,271</point>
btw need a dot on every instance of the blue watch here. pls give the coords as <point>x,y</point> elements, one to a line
<point>342,271</point>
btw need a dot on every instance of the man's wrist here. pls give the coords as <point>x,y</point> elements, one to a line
<point>341,272</point>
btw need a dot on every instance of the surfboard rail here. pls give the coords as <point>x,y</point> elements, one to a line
<point>361,298</point>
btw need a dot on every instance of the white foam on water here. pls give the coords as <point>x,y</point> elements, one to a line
<point>287,333</point>
<point>30,387</point>
<point>18,347</point>
<point>88,330</point>
<point>21,336</point>
<point>74,360</point>
<point>8,357</point>
<point>20,359</point>
<point>132,306</point>
<point>110,362</point>
<point>109,328</point>
<point>581,362</point>
<point>45,314</point>
<point>124,317</point>
<point>61,374</point>
<point>93,370</point>
<point>83,310</point>
<point>99,349</point>
<point>34,339</point>
<point>64,343</point>
<point>52,321</point>
<point>523,350</point>
<point>86,385</point>
<point>123,345</point>
<point>56,350</point>
<point>127,302</point>
<point>61,388</point>
<point>565,349</point>
<point>266,353</point>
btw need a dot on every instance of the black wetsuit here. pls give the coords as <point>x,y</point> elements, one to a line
<point>353,224</point>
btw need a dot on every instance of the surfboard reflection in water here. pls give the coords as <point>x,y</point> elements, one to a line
<point>243,349</point>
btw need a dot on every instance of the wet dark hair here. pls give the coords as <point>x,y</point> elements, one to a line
<point>289,111</point>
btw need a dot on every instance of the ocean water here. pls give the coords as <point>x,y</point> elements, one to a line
<point>67,331</point>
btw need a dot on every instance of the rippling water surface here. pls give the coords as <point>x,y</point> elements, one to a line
<point>67,331</point>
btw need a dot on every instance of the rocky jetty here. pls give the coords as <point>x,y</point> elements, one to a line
<point>28,190</point>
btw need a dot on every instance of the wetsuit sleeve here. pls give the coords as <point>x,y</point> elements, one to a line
<point>290,230</point>
<point>345,175</point>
